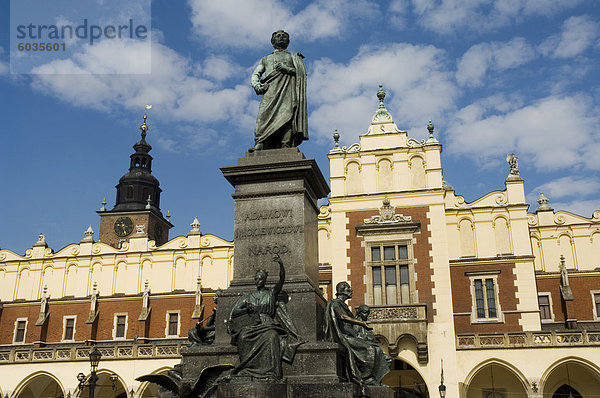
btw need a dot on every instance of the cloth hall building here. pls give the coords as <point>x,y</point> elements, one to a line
<point>491,298</point>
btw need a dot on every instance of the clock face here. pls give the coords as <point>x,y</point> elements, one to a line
<point>158,233</point>
<point>123,226</point>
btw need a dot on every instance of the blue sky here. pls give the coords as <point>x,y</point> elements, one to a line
<point>495,77</point>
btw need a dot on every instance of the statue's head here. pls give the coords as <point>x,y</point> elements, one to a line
<point>363,312</point>
<point>260,278</point>
<point>343,288</point>
<point>280,39</point>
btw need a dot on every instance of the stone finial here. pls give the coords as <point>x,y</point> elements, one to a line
<point>195,227</point>
<point>89,235</point>
<point>563,271</point>
<point>381,115</point>
<point>93,314</point>
<point>146,295</point>
<point>45,297</point>
<point>43,315</point>
<point>381,96</point>
<point>148,203</point>
<point>513,162</point>
<point>543,202</point>
<point>145,302</point>
<point>168,216</point>
<point>41,241</point>
<point>103,208</point>
<point>198,307</point>
<point>336,139</point>
<point>565,288</point>
<point>431,139</point>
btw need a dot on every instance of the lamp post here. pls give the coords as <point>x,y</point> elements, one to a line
<point>95,356</point>
<point>442,387</point>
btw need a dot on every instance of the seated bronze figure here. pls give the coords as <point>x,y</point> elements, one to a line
<point>366,363</point>
<point>262,330</point>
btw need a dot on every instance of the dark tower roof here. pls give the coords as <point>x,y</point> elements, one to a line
<point>138,184</point>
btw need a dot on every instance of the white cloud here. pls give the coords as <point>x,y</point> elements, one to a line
<point>578,33</point>
<point>583,208</point>
<point>480,58</point>
<point>568,187</point>
<point>219,68</point>
<point>344,94</point>
<point>446,16</point>
<point>553,133</point>
<point>172,88</point>
<point>249,23</point>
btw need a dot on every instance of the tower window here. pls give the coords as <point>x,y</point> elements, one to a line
<point>137,162</point>
<point>129,192</point>
<point>145,194</point>
<point>144,162</point>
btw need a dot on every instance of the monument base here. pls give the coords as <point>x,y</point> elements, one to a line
<point>276,193</point>
<point>300,390</point>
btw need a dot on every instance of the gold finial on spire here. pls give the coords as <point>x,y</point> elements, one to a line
<point>144,126</point>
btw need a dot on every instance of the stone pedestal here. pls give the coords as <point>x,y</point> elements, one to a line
<point>276,193</point>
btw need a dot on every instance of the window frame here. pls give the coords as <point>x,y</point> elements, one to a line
<point>593,293</point>
<point>395,240</point>
<point>483,276</point>
<point>66,318</point>
<point>115,325</point>
<point>26,320</point>
<point>549,295</point>
<point>168,315</point>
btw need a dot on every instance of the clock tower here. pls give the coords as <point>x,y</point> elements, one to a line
<point>137,207</point>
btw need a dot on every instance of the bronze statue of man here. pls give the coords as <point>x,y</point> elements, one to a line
<point>280,78</point>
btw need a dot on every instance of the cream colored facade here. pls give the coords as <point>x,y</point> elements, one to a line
<point>73,270</point>
<point>492,238</point>
<point>176,270</point>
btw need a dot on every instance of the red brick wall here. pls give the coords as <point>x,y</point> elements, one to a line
<point>10,315</point>
<point>463,302</point>
<point>52,331</point>
<point>582,302</point>
<point>421,249</point>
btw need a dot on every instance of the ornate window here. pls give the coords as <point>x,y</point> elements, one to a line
<point>390,274</point>
<point>390,267</point>
<point>484,292</point>
<point>20,331</point>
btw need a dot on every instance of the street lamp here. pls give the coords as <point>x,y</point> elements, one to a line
<point>95,356</point>
<point>442,387</point>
